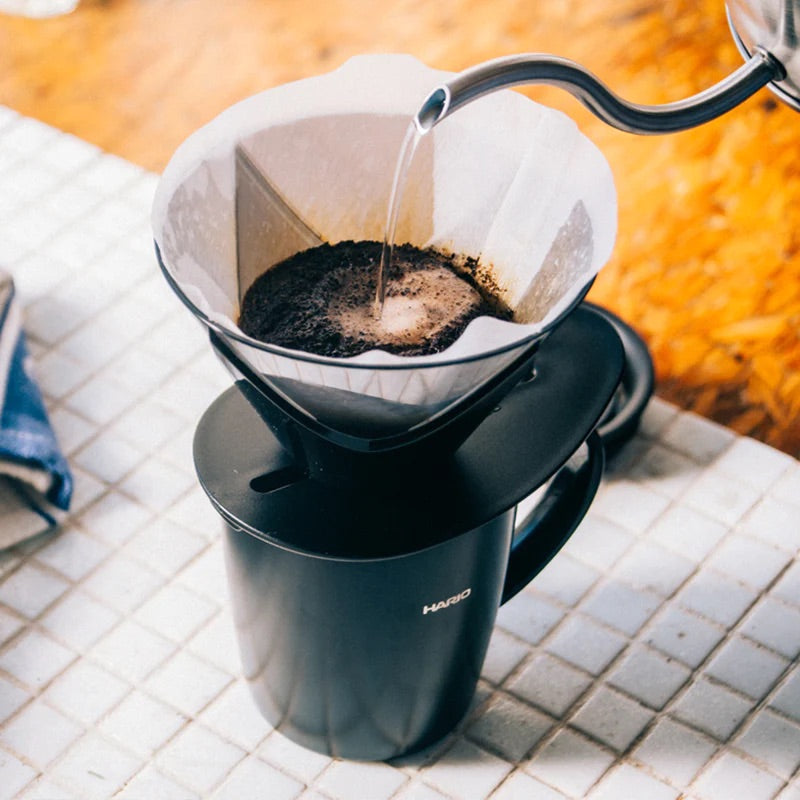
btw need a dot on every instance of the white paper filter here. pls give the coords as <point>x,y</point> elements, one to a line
<point>503,180</point>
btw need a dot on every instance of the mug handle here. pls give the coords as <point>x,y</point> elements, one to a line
<point>554,518</point>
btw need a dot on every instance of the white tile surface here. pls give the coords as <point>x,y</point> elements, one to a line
<point>664,470</point>
<point>293,759</point>
<point>716,596</point>
<point>683,635</point>
<point>109,174</point>
<point>187,683</point>
<point>36,276</point>
<point>44,789</point>
<point>175,612</point>
<point>700,439</point>
<point>99,400</point>
<point>720,496</point>
<point>649,676</point>
<point>108,457</point>
<point>612,719</point>
<point>504,654</point>
<point>712,708</point>
<point>95,768</point>
<point>675,752</point>
<point>628,781</point>
<point>621,606</point>
<point>11,699</point>
<point>165,547</point>
<point>598,542</point>
<point>141,724</point>
<point>34,659</point>
<point>586,644</point>
<point>139,370</point>
<point>206,574</point>
<point>787,698</point>
<point>790,792</point>
<point>11,624</point>
<point>787,487</point>
<point>73,554</point>
<point>787,587</point>
<point>132,651</point>
<point>466,771</point>
<point>39,734</point>
<point>122,583</point>
<point>755,463</point>
<point>15,774</point>
<point>148,425</point>
<point>156,484</point>
<point>550,684</point>
<point>198,758</point>
<point>28,136</point>
<point>730,776</point>
<point>631,505</point>
<point>68,153</point>
<point>380,781</point>
<point>648,565</point>
<point>747,667</point>
<point>150,783</point>
<point>85,692</point>
<point>31,589</point>
<point>253,779</point>
<point>775,521</point>
<point>191,511</point>
<point>78,620</point>
<point>418,791</point>
<point>774,741</point>
<point>749,561</point>
<point>529,617</point>
<point>114,518</point>
<point>653,657</point>
<point>234,714</point>
<point>520,786</point>
<point>570,763</point>
<point>509,728</point>
<point>216,644</point>
<point>60,375</point>
<point>776,625</point>
<point>565,580</point>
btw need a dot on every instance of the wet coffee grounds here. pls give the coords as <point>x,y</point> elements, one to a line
<point>322,301</point>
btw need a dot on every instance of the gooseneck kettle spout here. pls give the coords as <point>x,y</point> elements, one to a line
<point>536,68</point>
<point>764,31</point>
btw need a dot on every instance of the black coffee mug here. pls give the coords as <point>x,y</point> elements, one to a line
<point>371,658</point>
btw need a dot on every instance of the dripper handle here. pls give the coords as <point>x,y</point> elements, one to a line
<point>540,68</point>
<point>554,519</point>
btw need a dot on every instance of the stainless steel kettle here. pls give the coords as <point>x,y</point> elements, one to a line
<point>765,32</point>
<point>770,25</point>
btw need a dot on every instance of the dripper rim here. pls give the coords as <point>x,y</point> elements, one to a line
<point>351,363</point>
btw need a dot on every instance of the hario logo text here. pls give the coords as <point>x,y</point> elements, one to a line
<point>451,601</point>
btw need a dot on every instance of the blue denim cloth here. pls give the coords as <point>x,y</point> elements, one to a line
<point>29,451</point>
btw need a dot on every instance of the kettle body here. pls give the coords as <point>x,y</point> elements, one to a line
<point>773,26</point>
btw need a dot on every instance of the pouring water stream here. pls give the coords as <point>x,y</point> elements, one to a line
<point>410,142</point>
